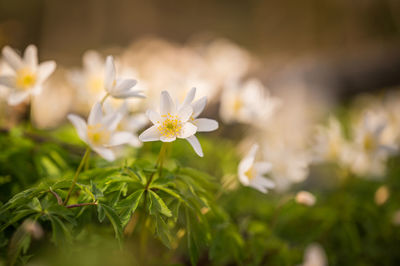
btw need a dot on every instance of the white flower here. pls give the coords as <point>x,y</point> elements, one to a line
<point>118,88</point>
<point>249,103</point>
<point>330,143</point>
<point>314,255</point>
<point>28,76</point>
<point>305,198</point>
<point>100,131</point>
<point>128,123</point>
<point>252,173</point>
<point>173,122</point>
<point>202,124</point>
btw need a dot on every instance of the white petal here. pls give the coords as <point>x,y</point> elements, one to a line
<point>189,97</point>
<point>121,137</point>
<point>106,153</point>
<point>45,69</point>
<point>196,145</point>
<point>187,130</point>
<point>198,106</point>
<point>167,106</point>
<point>185,112</point>
<point>153,116</point>
<point>167,139</point>
<point>263,167</point>
<point>111,121</point>
<point>205,124</point>
<point>16,98</point>
<point>109,74</point>
<point>259,187</point>
<point>96,114</point>
<point>93,62</point>
<point>150,134</point>
<point>31,57</point>
<point>12,58</point>
<point>265,182</point>
<point>135,142</point>
<point>80,126</point>
<point>128,94</point>
<point>125,84</point>
<point>7,81</point>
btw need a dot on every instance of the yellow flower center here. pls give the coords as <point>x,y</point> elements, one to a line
<point>171,126</point>
<point>98,135</point>
<point>237,104</point>
<point>369,142</point>
<point>95,84</point>
<point>251,173</point>
<point>25,79</point>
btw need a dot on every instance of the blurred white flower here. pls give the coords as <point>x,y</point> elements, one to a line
<point>118,88</point>
<point>305,198</point>
<point>100,131</point>
<point>128,123</point>
<point>28,75</point>
<point>251,173</point>
<point>330,143</point>
<point>314,255</point>
<point>250,103</point>
<point>202,124</point>
<point>381,195</point>
<point>369,152</point>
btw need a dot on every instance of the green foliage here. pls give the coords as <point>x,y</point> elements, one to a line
<point>180,214</point>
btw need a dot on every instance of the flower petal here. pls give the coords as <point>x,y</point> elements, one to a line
<point>45,69</point>
<point>189,97</point>
<point>106,153</point>
<point>185,112</point>
<point>263,167</point>
<point>206,125</point>
<point>80,126</point>
<point>150,134</point>
<point>196,145</point>
<point>121,137</point>
<point>258,187</point>
<point>198,106</point>
<point>96,114</point>
<point>187,130</point>
<point>12,58</point>
<point>128,94</point>
<point>125,84</point>
<point>167,139</point>
<point>31,57</point>
<point>112,120</point>
<point>7,81</point>
<point>265,182</point>
<point>18,97</point>
<point>167,106</point>
<point>109,77</point>
<point>153,116</point>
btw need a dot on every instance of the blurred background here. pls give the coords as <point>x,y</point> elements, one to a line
<point>346,46</point>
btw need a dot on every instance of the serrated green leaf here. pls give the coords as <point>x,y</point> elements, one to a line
<point>60,233</point>
<point>114,219</point>
<point>158,205</point>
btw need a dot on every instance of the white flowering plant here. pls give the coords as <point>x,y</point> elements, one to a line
<point>176,177</point>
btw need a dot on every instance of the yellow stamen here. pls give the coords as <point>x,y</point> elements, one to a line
<point>25,79</point>
<point>98,135</point>
<point>251,173</point>
<point>171,126</point>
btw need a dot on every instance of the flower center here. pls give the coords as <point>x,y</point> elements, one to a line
<point>98,135</point>
<point>237,104</point>
<point>25,79</point>
<point>369,142</point>
<point>171,126</point>
<point>251,173</point>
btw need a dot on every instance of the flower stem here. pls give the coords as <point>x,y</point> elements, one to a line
<point>104,98</point>
<point>82,163</point>
<point>159,163</point>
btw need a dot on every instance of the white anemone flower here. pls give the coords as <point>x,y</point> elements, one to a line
<point>118,88</point>
<point>202,124</point>
<point>249,103</point>
<point>251,173</point>
<point>100,131</point>
<point>314,255</point>
<point>28,75</point>
<point>170,123</point>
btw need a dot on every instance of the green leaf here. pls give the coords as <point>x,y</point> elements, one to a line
<point>158,205</point>
<point>114,219</point>
<point>168,191</point>
<point>18,215</point>
<point>61,233</point>
<point>163,232</point>
<point>35,205</point>
<point>129,205</point>
<point>97,193</point>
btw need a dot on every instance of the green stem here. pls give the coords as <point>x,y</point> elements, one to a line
<point>159,163</point>
<point>104,98</point>
<point>82,163</point>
